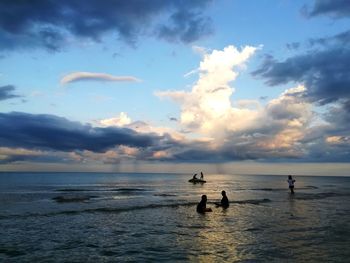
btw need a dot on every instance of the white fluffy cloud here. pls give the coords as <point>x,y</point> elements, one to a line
<point>122,120</point>
<point>207,107</point>
<point>206,110</point>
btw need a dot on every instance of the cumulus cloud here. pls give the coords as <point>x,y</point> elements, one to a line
<point>91,76</point>
<point>246,131</point>
<point>49,23</point>
<point>6,92</point>
<point>207,107</point>
<point>122,120</point>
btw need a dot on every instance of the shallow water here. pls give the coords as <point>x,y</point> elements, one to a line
<point>91,217</point>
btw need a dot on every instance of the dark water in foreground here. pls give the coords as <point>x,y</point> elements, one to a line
<point>91,217</point>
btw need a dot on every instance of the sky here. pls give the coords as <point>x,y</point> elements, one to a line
<point>223,86</point>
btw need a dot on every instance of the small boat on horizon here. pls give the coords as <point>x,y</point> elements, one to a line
<point>196,180</point>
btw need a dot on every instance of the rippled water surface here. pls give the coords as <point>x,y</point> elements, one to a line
<point>91,217</point>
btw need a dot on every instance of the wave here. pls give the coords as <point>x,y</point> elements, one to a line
<point>164,195</point>
<point>11,252</point>
<point>282,189</point>
<point>310,187</point>
<point>71,199</point>
<point>129,190</point>
<point>156,206</point>
<point>75,190</point>
<point>124,190</point>
<point>306,196</point>
<point>123,209</point>
<point>252,201</point>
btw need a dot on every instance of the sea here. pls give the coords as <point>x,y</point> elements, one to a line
<point>139,217</point>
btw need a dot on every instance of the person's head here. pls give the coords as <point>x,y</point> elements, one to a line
<point>289,177</point>
<point>204,198</point>
<point>223,193</point>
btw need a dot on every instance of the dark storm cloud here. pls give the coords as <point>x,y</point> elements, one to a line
<point>186,27</point>
<point>333,8</point>
<point>55,137</point>
<point>19,157</point>
<point>339,39</point>
<point>55,133</point>
<point>339,118</point>
<point>46,23</point>
<point>240,148</point>
<point>324,72</point>
<point>6,92</point>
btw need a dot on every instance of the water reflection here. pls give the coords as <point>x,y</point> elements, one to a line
<point>214,236</point>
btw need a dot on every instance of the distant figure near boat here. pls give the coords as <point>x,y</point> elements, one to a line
<point>202,205</point>
<point>194,176</point>
<point>202,176</point>
<point>291,184</point>
<point>224,201</point>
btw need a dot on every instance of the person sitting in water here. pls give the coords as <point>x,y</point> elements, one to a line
<point>202,176</point>
<point>224,201</point>
<point>291,184</point>
<point>202,205</point>
<point>194,176</point>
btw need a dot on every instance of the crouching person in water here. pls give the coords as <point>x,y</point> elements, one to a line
<point>224,201</point>
<point>291,184</point>
<point>202,205</point>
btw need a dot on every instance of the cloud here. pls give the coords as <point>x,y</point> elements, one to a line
<point>207,107</point>
<point>119,121</point>
<point>333,8</point>
<point>49,24</point>
<point>6,92</point>
<point>247,131</point>
<point>342,38</point>
<point>8,155</point>
<point>31,131</point>
<point>325,73</point>
<point>213,125</point>
<point>48,38</point>
<point>114,155</point>
<point>185,27</point>
<point>90,76</point>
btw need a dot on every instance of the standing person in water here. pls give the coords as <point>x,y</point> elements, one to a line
<point>291,184</point>
<point>202,176</point>
<point>202,205</point>
<point>194,176</point>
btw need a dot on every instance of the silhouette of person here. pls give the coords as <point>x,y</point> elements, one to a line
<point>194,176</point>
<point>202,205</point>
<point>291,184</point>
<point>202,176</point>
<point>224,201</point>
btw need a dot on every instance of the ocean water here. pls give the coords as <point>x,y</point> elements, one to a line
<point>99,217</point>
